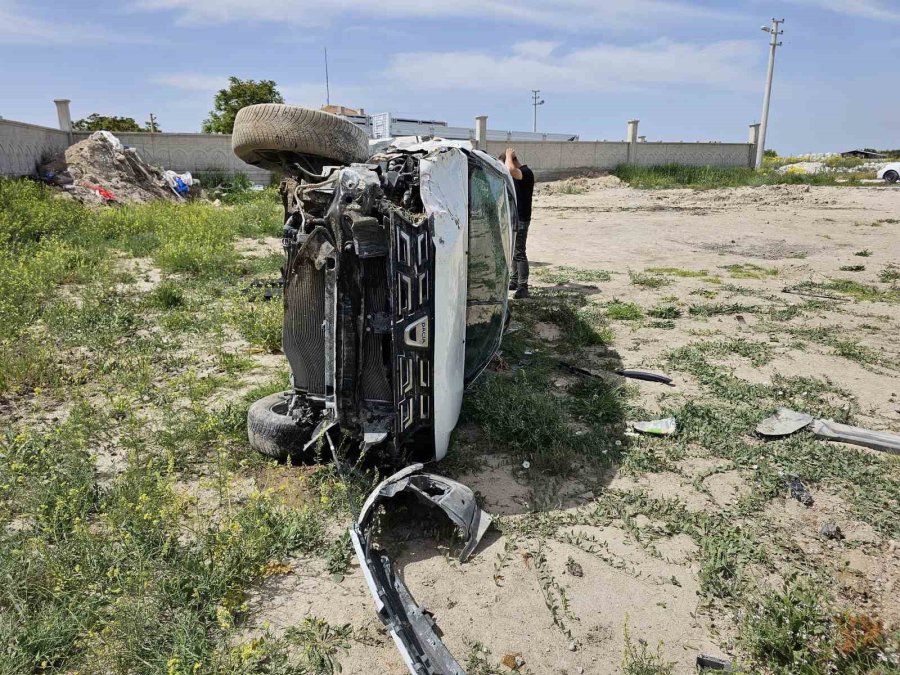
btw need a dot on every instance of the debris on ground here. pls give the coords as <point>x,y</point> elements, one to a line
<point>786,421</point>
<point>831,530</point>
<point>412,628</point>
<point>646,376</point>
<point>799,491</point>
<point>715,663</point>
<point>783,423</point>
<point>100,170</point>
<point>513,661</point>
<point>663,427</point>
<point>876,440</point>
<point>630,374</point>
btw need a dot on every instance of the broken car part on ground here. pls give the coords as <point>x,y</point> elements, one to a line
<point>411,627</point>
<point>786,421</point>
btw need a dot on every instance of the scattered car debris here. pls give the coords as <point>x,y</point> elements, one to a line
<point>799,491</point>
<point>783,423</point>
<point>831,530</point>
<point>644,375</point>
<point>786,421</point>
<point>632,374</point>
<point>663,427</point>
<point>716,663</point>
<point>876,440</point>
<point>742,323</point>
<point>100,170</point>
<point>513,661</point>
<point>411,627</point>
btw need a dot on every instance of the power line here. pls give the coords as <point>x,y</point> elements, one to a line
<point>774,31</point>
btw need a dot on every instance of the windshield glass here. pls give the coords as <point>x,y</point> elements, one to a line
<point>488,267</point>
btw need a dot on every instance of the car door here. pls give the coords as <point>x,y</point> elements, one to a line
<point>489,260</point>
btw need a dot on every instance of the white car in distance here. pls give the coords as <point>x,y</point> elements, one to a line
<point>889,173</point>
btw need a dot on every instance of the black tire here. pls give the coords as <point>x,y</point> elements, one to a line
<point>272,431</point>
<point>262,131</point>
<point>891,177</point>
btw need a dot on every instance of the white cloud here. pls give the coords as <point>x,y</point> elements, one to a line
<point>310,94</point>
<point>571,15</point>
<point>880,10</point>
<point>192,81</point>
<point>603,67</point>
<point>535,48</point>
<point>18,28</point>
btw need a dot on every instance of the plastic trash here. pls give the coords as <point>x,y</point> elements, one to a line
<point>109,138</point>
<point>180,183</point>
<point>663,427</point>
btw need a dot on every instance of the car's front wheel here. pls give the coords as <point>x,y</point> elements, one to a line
<point>891,177</point>
<point>272,431</point>
<point>264,132</point>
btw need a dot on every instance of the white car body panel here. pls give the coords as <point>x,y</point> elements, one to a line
<point>893,166</point>
<point>444,188</point>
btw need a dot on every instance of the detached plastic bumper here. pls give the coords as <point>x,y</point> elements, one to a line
<point>412,629</point>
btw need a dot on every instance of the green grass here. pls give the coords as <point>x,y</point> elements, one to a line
<point>648,280</point>
<point>750,271</point>
<point>707,177</point>
<point>721,308</point>
<point>664,312</point>
<point>564,274</point>
<point>865,253</point>
<point>678,272</point>
<point>853,289</point>
<point>889,275</point>
<point>852,268</point>
<point>624,311</point>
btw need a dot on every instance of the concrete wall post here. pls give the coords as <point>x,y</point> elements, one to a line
<point>753,140</point>
<point>64,116</point>
<point>632,138</point>
<point>481,133</point>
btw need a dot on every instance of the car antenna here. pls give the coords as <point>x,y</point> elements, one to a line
<point>327,89</point>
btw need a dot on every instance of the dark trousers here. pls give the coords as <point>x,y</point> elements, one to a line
<point>520,257</point>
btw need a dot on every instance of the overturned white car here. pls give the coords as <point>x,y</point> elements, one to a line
<point>889,173</point>
<point>395,281</point>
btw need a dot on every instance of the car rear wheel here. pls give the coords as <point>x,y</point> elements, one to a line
<point>891,177</point>
<point>264,132</point>
<point>272,431</point>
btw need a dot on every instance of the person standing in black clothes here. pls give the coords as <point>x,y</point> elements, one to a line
<point>523,179</point>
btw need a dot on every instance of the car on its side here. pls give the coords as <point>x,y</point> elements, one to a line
<point>395,282</point>
<point>889,173</point>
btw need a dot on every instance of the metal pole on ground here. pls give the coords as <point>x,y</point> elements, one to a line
<point>774,31</point>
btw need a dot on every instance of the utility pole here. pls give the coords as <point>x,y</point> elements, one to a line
<point>327,89</point>
<point>536,100</point>
<point>774,31</point>
<point>152,123</point>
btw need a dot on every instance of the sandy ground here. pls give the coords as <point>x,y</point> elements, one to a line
<point>807,234</point>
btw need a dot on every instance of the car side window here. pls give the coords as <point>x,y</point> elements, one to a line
<point>488,266</point>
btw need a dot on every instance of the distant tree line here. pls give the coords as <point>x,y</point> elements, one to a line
<point>96,122</point>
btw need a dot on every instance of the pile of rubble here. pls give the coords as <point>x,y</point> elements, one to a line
<point>100,170</point>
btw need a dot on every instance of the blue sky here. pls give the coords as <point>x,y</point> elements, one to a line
<point>688,69</point>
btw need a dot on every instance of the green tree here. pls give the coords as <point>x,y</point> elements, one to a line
<point>770,153</point>
<point>240,93</point>
<point>95,122</point>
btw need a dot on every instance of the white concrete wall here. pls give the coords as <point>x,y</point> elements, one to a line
<point>24,146</point>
